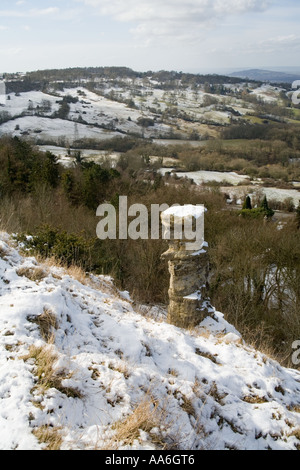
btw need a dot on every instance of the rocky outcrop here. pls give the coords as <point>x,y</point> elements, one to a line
<point>188,301</point>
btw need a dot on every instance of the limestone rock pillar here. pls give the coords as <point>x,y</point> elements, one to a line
<point>188,301</point>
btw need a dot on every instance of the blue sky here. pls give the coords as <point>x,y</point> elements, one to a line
<point>187,35</point>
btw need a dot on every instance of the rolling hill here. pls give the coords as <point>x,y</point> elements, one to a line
<point>266,76</point>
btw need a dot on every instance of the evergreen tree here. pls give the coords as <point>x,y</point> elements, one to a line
<point>247,203</point>
<point>265,207</point>
<point>50,171</point>
<point>298,216</point>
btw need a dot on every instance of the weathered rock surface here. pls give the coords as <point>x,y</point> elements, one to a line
<point>188,301</point>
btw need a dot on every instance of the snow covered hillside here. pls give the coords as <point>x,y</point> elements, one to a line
<point>139,107</point>
<point>34,114</point>
<point>81,367</point>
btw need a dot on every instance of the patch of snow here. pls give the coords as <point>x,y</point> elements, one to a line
<point>276,194</point>
<point>188,210</point>
<point>267,93</point>
<point>57,130</point>
<point>194,296</point>
<point>200,177</point>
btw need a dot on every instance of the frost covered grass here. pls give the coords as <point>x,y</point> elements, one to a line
<point>47,324</point>
<point>146,418</point>
<point>32,273</point>
<point>47,376</point>
<point>80,368</point>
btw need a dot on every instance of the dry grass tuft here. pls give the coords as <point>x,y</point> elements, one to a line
<point>78,274</point>
<point>3,252</point>
<point>255,399</point>
<point>187,405</point>
<point>50,436</point>
<point>32,273</point>
<point>147,416</point>
<point>296,434</point>
<point>47,323</point>
<point>46,374</point>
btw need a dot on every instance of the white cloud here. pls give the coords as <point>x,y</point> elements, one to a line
<point>154,19</point>
<point>199,10</point>
<point>281,43</point>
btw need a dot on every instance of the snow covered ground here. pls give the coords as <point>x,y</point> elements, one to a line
<point>90,155</point>
<point>33,113</point>
<point>267,93</point>
<point>16,104</point>
<point>239,188</point>
<point>56,130</point>
<point>201,177</point>
<point>119,377</point>
<point>119,108</point>
<point>276,194</point>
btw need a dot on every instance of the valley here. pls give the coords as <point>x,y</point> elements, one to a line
<point>105,112</point>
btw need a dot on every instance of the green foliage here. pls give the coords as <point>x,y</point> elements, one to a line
<point>256,213</point>
<point>64,109</point>
<point>24,169</point>
<point>68,248</point>
<point>117,144</point>
<point>94,183</point>
<point>265,208</point>
<point>145,122</point>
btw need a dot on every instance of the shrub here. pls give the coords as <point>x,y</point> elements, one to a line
<point>256,213</point>
<point>69,249</point>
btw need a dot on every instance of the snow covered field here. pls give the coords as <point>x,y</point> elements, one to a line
<point>201,177</point>
<point>56,130</point>
<point>110,363</point>
<point>91,155</point>
<point>267,93</point>
<point>33,113</point>
<point>16,104</point>
<point>239,189</point>
<point>276,194</point>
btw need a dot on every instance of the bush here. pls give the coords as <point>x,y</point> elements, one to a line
<point>259,212</point>
<point>24,168</point>
<point>69,249</point>
<point>256,213</point>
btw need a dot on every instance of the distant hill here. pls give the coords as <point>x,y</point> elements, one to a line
<point>266,76</point>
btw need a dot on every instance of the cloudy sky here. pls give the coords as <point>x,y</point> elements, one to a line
<point>188,35</point>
